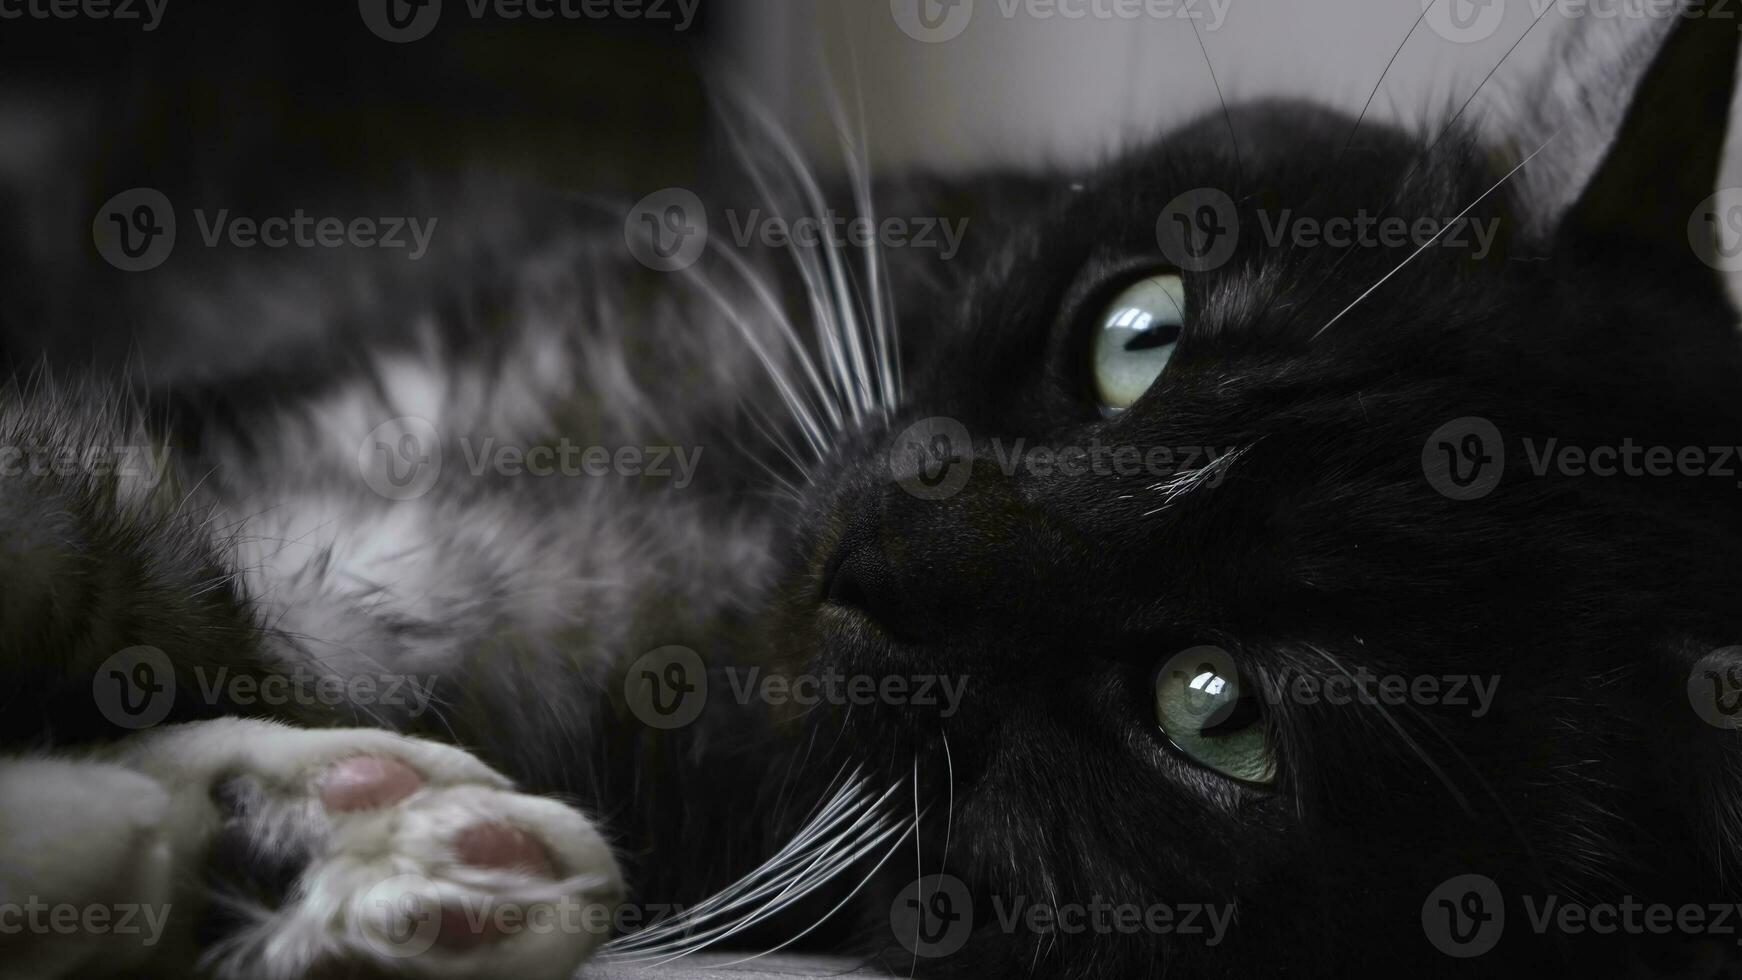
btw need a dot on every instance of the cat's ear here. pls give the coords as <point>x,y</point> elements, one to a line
<point>1664,156</point>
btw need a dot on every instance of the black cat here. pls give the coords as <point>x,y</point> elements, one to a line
<point>1298,548</point>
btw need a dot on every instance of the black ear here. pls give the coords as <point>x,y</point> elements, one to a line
<point>1665,156</point>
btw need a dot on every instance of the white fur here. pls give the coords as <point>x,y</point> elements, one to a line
<point>75,835</point>
<point>115,830</point>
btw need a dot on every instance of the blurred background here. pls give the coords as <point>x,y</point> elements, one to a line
<point>611,87</point>
<point>261,107</point>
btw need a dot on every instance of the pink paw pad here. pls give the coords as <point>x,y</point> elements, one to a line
<point>498,845</point>
<point>366,782</point>
<point>491,845</point>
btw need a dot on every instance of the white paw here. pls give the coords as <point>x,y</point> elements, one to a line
<point>79,840</point>
<point>407,858</point>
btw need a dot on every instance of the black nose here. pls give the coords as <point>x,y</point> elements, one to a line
<point>861,576</point>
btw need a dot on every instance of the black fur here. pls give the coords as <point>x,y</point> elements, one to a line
<point>1055,597</point>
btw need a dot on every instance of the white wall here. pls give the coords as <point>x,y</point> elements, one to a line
<point>1024,86</point>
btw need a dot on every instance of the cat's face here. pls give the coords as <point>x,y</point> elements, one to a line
<point>1206,539</point>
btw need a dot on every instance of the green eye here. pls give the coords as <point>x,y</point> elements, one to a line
<point>1136,339</point>
<point>1203,711</point>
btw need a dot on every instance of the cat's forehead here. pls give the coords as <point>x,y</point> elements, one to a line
<point>1282,215</point>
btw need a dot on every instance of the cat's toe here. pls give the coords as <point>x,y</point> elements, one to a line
<point>366,781</point>
<point>482,882</point>
<point>362,853</point>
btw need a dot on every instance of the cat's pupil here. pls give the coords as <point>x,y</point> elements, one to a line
<point>1160,335</point>
<point>1237,717</point>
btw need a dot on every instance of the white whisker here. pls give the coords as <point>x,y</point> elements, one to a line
<point>765,295</point>
<point>858,156</point>
<point>796,870</point>
<point>798,890</point>
<point>801,413</point>
<point>950,810</point>
<point>811,273</point>
<point>1443,229</point>
<point>841,808</point>
<point>852,336</point>
<point>838,905</point>
<point>1186,481</point>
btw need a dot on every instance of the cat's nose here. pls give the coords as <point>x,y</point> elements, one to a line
<point>861,576</point>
